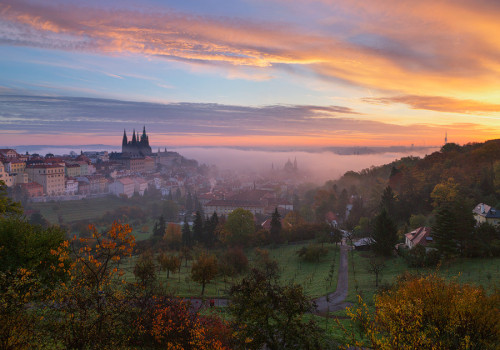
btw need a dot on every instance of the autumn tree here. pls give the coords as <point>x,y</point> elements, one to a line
<point>240,225</point>
<point>233,261</point>
<point>145,269</point>
<point>204,270</point>
<point>269,315</point>
<point>84,308</point>
<point>173,235</point>
<point>8,206</point>
<point>444,192</point>
<point>429,313</point>
<point>384,234</point>
<point>169,263</point>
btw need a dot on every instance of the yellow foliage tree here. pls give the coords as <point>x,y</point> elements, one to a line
<point>173,234</point>
<point>430,313</point>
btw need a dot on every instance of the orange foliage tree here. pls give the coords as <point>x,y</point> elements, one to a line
<point>85,308</point>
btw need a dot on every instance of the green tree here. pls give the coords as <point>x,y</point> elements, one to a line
<point>169,263</point>
<point>7,205</point>
<point>187,240</point>
<point>275,227</point>
<point>270,315</point>
<point>240,225</point>
<point>160,227</point>
<point>198,228</point>
<point>204,270</point>
<point>385,234</point>
<point>145,269</point>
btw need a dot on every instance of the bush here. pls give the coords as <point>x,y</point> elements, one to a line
<point>312,253</point>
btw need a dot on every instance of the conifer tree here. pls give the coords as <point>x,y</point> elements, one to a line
<point>275,226</point>
<point>186,234</point>
<point>198,228</point>
<point>384,234</point>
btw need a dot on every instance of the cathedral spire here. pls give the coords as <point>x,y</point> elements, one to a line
<point>134,139</point>
<point>124,142</point>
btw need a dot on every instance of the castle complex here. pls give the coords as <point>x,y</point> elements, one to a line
<point>136,147</point>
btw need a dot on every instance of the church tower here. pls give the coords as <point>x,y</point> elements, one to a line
<point>124,141</point>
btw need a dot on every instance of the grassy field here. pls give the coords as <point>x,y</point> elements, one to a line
<point>312,276</point>
<point>480,271</point>
<point>84,209</point>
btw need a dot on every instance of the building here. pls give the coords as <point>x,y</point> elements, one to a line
<point>50,176</point>
<point>14,165</point>
<point>7,178</point>
<point>123,187</point>
<point>73,170</point>
<point>140,185</point>
<point>8,153</point>
<point>71,186</point>
<point>419,236</point>
<point>31,189</point>
<point>485,213</point>
<point>136,147</point>
<point>225,207</point>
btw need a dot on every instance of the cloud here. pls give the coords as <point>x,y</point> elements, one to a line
<point>43,117</point>
<point>389,45</point>
<point>440,104</point>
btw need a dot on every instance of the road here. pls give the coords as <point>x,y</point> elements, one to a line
<point>336,301</point>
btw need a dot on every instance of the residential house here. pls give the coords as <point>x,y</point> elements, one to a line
<point>485,213</point>
<point>31,189</point>
<point>419,236</point>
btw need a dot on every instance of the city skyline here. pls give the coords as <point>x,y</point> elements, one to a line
<point>261,73</point>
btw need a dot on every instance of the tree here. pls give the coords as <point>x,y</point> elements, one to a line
<point>187,240</point>
<point>240,225</point>
<point>429,313</point>
<point>170,210</point>
<point>209,235</point>
<point>234,261</point>
<point>375,266</point>
<point>204,270</point>
<point>27,246</point>
<point>269,315</point>
<point>173,235</point>
<point>293,218</point>
<point>7,205</point>
<point>145,269</point>
<point>169,263</point>
<point>189,204</point>
<point>275,226</point>
<point>445,192</point>
<point>198,228</point>
<point>160,227</point>
<point>388,201</point>
<point>86,306</point>
<point>385,234</point>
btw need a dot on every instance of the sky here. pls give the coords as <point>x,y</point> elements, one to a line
<point>261,73</point>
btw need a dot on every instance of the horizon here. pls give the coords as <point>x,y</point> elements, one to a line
<point>249,74</point>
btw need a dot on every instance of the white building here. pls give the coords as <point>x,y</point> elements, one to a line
<point>123,186</point>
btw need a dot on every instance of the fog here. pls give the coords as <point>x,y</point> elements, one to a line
<point>320,165</point>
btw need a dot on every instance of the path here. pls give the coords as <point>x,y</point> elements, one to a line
<point>335,301</point>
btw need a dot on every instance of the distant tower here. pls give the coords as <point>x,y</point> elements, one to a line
<point>295,164</point>
<point>446,138</point>
<point>134,139</point>
<point>124,142</point>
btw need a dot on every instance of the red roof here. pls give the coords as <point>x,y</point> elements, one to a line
<point>419,235</point>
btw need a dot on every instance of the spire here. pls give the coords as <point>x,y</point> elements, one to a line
<point>124,142</point>
<point>134,139</point>
<point>446,138</point>
<point>144,131</point>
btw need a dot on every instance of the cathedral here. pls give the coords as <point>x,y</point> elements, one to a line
<point>136,147</point>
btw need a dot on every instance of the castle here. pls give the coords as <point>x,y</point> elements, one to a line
<point>136,147</point>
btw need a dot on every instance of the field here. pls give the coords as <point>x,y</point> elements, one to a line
<point>482,271</point>
<point>84,209</point>
<point>312,276</point>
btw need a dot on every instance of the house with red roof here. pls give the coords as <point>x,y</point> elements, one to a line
<point>419,236</point>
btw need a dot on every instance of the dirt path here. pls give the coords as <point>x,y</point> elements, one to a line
<point>335,301</point>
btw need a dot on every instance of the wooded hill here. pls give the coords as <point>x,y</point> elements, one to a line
<point>472,169</point>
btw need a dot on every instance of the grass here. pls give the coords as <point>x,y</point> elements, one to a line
<point>312,276</point>
<point>479,271</point>
<point>84,209</point>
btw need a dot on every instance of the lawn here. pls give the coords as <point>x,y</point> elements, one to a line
<point>312,276</point>
<point>479,271</point>
<point>84,209</point>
